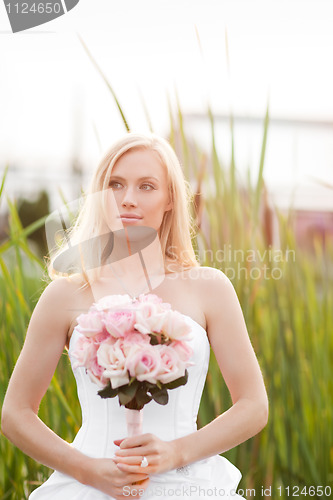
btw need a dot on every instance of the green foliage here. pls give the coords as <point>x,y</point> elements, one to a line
<point>135,395</point>
<point>22,279</point>
<point>286,295</point>
<point>29,212</point>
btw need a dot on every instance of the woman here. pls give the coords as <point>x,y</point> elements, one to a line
<point>138,199</point>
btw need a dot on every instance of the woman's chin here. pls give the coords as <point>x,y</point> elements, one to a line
<point>130,221</point>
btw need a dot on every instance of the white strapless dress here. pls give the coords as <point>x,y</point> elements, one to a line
<point>103,420</point>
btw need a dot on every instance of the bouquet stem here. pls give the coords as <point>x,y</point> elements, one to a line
<point>134,421</point>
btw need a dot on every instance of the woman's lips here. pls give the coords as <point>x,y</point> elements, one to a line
<point>130,220</point>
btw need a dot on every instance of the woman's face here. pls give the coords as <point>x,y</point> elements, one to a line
<point>139,188</point>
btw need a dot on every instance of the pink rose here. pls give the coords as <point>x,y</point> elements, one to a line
<point>143,363</point>
<point>96,373</point>
<point>84,352</point>
<point>119,323</point>
<point>183,350</point>
<point>172,367</point>
<point>90,324</point>
<point>101,337</point>
<point>175,327</point>
<point>152,299</point>
<point>171,323</point>
<point>111,357</point>
<point>112,302</point>
<point>150,318</point>
<point>134,339</point>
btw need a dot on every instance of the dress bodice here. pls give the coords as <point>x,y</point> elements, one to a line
<point>103,420</point>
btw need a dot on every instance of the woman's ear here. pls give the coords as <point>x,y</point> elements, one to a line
<point>169,206</point>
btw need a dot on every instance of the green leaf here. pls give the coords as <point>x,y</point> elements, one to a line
<point>142,397</point>
<point>126,393</point>
<point>178,382</point>
<point>3,180</point>
<point>108,392</point>
<point>141,393</point>
<point>161,397</point>
<point>149,385</point>
<point>106,82</point>
<point>153,339</point>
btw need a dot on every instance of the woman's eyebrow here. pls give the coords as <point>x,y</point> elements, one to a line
<point>139,179</point>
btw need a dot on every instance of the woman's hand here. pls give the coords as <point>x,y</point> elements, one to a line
<point>161,455</point>
<point>104,475</point>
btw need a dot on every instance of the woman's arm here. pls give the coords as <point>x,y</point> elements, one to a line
<point>240,369</point>
<point>230,342</point>
<point>43,346</point>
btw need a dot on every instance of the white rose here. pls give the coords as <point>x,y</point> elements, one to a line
<point>112,358</point>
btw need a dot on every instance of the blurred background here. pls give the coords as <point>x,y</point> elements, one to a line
<point>243,91</point>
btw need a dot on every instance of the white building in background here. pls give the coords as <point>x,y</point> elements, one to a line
<point>298,167</point>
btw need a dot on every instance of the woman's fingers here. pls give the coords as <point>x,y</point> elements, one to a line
<point>134,469</point>
<point>141,445</point>
<point>136,460</point>
<point>136,477</point>
<point>160,454</point>
<point>135,441</point>
<point>140,451</point>
<point>125,477</point>
<point>118,441</point>
<point>132,464</point>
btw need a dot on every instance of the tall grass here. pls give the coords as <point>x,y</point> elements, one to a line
<point>288,312</point>
<point>22,279</point>
<point>286,293</point>
<point>288,308</point>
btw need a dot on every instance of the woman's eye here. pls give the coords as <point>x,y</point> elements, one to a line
<point>113,184</point>
<point>117,185</point>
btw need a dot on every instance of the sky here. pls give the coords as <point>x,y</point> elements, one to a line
<point>233,55</point>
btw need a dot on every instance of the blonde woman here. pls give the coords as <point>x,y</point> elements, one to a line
<point>138,199</point>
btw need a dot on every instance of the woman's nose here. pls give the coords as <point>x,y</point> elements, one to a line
<point>129,198</point>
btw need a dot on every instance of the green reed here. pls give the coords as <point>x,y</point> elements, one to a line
<point>22,279</point>
<point>286,293</point>
<point>287,299</point>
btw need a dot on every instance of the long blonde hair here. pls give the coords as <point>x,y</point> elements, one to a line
<point>177,227</point>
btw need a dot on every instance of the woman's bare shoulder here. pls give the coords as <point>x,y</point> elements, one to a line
<point>206,273</point>
<point>210,283</point>
<point>203,276</point>
<point>63,290</point>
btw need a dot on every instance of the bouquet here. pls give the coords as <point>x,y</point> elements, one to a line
<point>134,349</point>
